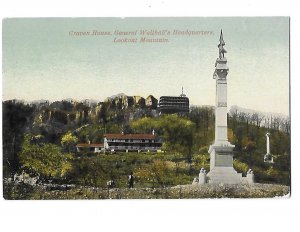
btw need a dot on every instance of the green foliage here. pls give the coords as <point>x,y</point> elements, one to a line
<point>145,125</point>
<point>250,145</point>
<point>240,167</point>
<point>204,150</point>
<point>92,132</point>
<point>16,118</point>
<point>201,160</point>
<point>150,169</point>
<point>45,159</point>
<point>203,117</point>
<point>177,132</point>
<point>159,172</point>
<point>185,141</point>
<point>68,141</point>
<point>89,171</point>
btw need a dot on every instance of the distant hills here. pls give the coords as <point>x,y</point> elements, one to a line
<point>236,108</point>
<point>116,96</point>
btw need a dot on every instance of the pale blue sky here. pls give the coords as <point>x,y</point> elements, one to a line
<point>41,60</point>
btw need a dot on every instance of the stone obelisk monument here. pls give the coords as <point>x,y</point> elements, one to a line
<point>268,158</point>
<point>221,151</point>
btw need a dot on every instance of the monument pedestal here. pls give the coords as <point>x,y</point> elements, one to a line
<point>221,165</point>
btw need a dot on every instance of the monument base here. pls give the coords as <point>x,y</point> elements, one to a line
<point>221,165</point>
<point>268,158</point>
<point>224,175</point>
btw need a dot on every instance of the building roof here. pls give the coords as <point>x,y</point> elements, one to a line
<point>130,136</point>
<point>89,145</point>
<point>173,98</point>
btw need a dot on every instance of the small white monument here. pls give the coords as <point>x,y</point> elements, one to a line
<point>250,177</point>
<point>202,176</point>
<point>268,158</point>
<point>221,152</point>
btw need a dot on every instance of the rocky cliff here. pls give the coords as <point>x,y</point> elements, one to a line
<point>69,114</point>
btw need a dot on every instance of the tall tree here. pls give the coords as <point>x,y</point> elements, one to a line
<point>17,118</point>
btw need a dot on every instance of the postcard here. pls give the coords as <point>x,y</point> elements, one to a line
<point>146,108</point>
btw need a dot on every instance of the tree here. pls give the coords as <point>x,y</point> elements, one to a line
<point>144,125</point>
<point>45,159</point>
<point>286,125</point>
<point>91,132</point>
<point>239,134</point>
<point>90,171</point>
<point>240,166</point>
<point>17,118</point>
<point>68,141</point>
<point>103,113</point>
<point>159,172</point>
<point>203,117</point>
<point>176,131</point>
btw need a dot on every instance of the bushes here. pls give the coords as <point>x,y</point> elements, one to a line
<point>201,160</point>
<point>45,159</point>
<point>150,169</point>
<point>240,167</point>
<point>21,191</point>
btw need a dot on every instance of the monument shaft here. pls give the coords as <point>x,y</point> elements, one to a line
<point>268,144</point>
<point>221,152</point>
<point>221,112</point>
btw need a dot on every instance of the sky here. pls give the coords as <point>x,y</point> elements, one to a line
<point>43,59</point>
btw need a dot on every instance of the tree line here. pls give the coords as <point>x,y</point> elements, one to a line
<point>26,142</point>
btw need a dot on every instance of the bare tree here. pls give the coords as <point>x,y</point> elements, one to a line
<point>286,125</point>
<point>257,119</point>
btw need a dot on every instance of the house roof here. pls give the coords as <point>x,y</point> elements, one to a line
<point>89,145</point>
<point>130,136</point>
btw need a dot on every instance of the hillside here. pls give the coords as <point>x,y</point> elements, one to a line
<point>39,128</point>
